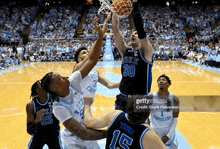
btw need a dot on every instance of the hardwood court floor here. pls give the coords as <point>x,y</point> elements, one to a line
<point>189,83</point>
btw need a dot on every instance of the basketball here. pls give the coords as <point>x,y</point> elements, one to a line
<point>122,8</point>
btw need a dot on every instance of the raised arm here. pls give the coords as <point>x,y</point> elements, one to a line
<point>152,141</point>
<point>109,84</point>
<point>105,28</point>
<point>146,46</point>
<point>95,51</point>
<point>99,122</point>
<point>119,39</point>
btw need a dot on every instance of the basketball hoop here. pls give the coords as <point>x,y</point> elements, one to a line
<point>106,6</point>
<point>122,8</point>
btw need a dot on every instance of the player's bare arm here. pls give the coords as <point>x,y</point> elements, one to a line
<point>118,37</point>
<point>77,129</point>
<point>105,28</point>
<point>152,141</point>
<point>109,84</point>
<point>94,54</point>
<point>31,122</point>
<point>99,122</point>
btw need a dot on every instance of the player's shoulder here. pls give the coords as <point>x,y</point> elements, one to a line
<point>176,100</point>
<point>114,113</point>
<point>30,106</point>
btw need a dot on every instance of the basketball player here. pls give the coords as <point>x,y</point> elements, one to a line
<point>89,83</point>
<point>125,130</point>
<point>164,119</point>
<point>137,60</point>
<point>69,108</point>
<point>41,123</point>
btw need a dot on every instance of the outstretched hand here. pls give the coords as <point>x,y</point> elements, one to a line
<point>105,26</point>
<point>100,30</point>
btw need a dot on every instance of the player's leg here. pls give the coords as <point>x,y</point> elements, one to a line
<point>36,142</point>
<point>54,142</point>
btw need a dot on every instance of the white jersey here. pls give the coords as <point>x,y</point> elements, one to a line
<point>89,83</point>
<point>72,106</point>
<point>161,117</point>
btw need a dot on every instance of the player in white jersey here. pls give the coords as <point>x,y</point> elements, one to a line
<point>165,112</point>
<point>89,83</point>
<point>69,107</point>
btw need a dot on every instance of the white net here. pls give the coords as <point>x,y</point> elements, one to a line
<point>122,8</point>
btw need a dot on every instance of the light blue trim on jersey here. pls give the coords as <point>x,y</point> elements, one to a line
<point>115,119</point>
<point>142,136</point>
<point>30,141</point>
<point>144,57</point>
<point>43,104</point>
<point>174,137</point>
<point>34,107</point>
<point>126,116</point>
<point>64,101</point>
<point>60,142</point>
<point>72,87</point>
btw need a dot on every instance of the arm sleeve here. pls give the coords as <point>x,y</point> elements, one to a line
<point>172,127</point>
<point>61,113</point>
<point>138,22</point>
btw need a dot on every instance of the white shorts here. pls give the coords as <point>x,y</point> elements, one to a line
<point>73,142</point>
<point>172,143</point>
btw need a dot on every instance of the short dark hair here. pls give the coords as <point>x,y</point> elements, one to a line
<point>136,117</point>
<point>167,78</point>
<point>46,83</point>
<point>78,51</point>
<point>33,89</point>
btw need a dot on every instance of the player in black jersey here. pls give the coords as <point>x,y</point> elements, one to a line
<point>125,130</point>
<point>41,123</point>
<point>137,60</point>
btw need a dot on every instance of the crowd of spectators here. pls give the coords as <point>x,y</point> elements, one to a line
<point>15,21</point>
<point>54,36</point>
<point>60,22</point>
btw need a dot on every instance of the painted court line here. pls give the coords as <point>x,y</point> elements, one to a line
<point>15,68</point>
<point>12,115</point>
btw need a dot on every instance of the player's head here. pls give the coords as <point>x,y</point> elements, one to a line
<point>163,81</point>
<point>55,84</point>
<point>136,117</point>
<point>36,89</point>
<point>81,54</point>
<point>134,40</point>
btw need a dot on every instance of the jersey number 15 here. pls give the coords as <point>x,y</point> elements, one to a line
<point>124,141</point>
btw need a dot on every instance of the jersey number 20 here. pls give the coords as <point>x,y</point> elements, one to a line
<point>124,141</point>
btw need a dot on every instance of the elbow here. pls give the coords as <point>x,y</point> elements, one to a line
<point>87,124</point>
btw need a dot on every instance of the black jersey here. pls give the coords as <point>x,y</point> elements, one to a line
<point>124,135</point>
<point>136,73</point>
<point>49,124</point>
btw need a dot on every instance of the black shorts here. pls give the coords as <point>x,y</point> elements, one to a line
<point>38,141</point>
